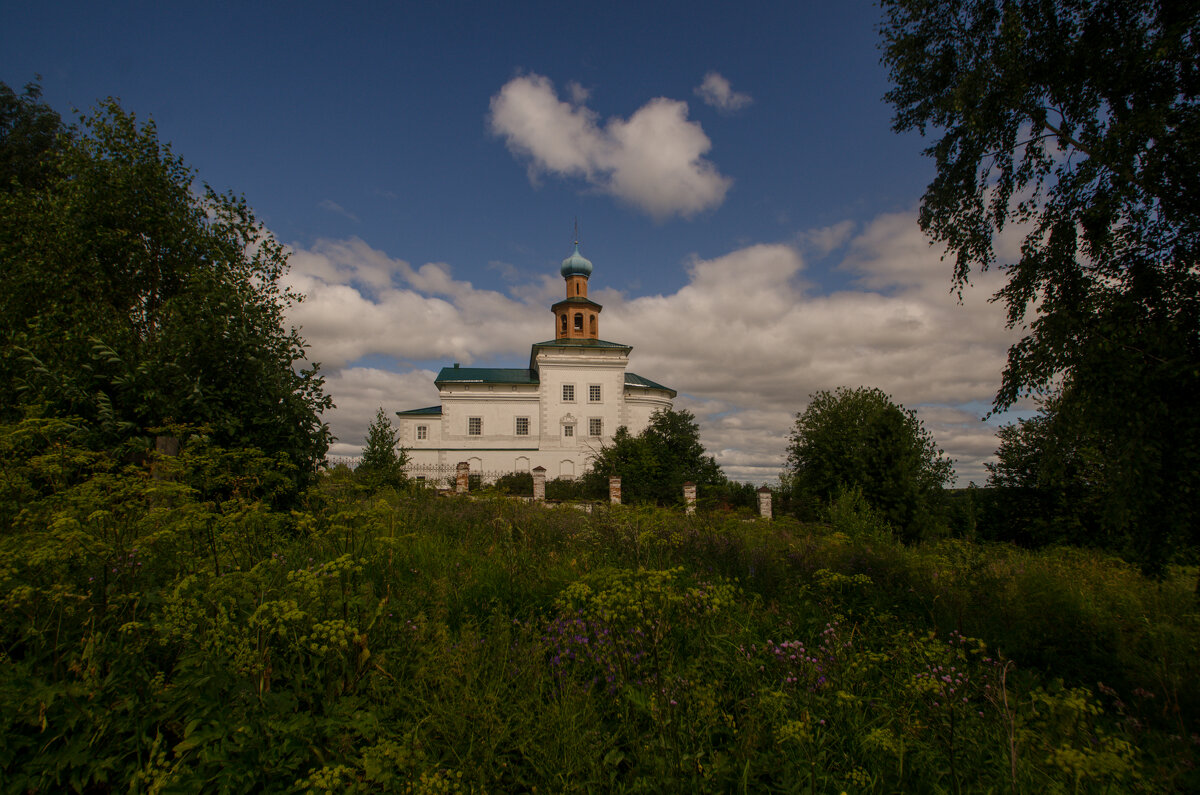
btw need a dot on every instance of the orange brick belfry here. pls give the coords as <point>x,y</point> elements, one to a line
<point>576,316</point>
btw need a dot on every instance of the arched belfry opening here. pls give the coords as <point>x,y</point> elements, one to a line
<point>576,314</point>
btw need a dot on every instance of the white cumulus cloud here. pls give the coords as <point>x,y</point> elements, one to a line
<point>717,92</point>
<point>746,340</point>
<point>361,302</point>
<point>653,160</point>
<point>360,391</point>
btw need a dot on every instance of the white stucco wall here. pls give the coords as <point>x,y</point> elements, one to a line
<point>499,449</point>
<point>640,403</point>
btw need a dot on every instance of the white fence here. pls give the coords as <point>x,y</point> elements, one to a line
<point>440,474</point>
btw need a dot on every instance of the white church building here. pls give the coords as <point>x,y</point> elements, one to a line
<point>555,413</point>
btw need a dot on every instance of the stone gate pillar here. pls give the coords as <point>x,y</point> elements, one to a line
<point>539,484</point>
<point>462,482</point>
<point>164,446</point>
<point>764,502</point>
<point>614,490</point>
<point>689,498</point>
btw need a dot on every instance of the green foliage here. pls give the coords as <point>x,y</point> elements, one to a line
<point>728,495</point>
<point>851,514</point>
<point>654,465</point>
<point>589,487</point>
<point>860,440</point>
<point>1038,487</point>
<point>1077,124</point>
<point>133,300</point>
<point>383,461</point>
<point>1059,478</point>
<point>29,136</point>
<point>155,638</point>
<point>964,511</point>
<point>516,484</point>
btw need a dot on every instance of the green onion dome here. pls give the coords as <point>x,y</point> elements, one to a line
<point>576,264</point>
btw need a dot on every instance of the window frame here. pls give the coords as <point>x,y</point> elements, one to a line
<point>474,426</point>
<point>595,427</point>
<point>517,427</point>
<point>422,433</point>
<point>568,393</point>
<point>594,389</point>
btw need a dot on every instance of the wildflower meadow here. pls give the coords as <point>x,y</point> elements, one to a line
<point>184,632</point>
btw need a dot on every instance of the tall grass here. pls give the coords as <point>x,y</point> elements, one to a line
<point>396,641</point>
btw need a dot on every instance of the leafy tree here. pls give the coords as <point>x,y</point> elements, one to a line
<point>134,300</point>
<point>1077,122</point>
<point>1045,484</point>
<point>1037,489</point>
<point>382,462</point>
<point>654,465</point>
<point>859,439</point>
<point>29,135</point>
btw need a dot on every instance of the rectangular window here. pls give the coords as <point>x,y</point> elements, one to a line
<point>568,393</point>
<point>522,426</point>
<point>595,426</point>
<point>594,393</point>
<point>422,432</point>
<point>568,430</point>
<point>474,426</point>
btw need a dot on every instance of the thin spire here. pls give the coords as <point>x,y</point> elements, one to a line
<point>576,241</point>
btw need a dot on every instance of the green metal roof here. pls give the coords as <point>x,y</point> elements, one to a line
<point>430,411</point>
<point>633,379</point>
<point>486,375</point>
<point>584,343</point>
<point>521,375</point>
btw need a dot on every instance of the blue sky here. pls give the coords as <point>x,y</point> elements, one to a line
<point>749,211</point>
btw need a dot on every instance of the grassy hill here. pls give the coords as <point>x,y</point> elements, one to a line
<point>181,634</point>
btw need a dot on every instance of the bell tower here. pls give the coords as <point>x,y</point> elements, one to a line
<point>576,317</point>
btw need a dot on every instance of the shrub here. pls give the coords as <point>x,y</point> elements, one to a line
<point>517,484</point>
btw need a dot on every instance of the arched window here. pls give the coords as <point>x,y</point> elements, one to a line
<point>576,288</point>
<point>579,321</point>
<point>593,324</point>
<point>564,321</point>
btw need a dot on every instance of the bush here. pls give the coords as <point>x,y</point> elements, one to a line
<point>516,484</point>
<point>727,495</point>
<point>590,487</point>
